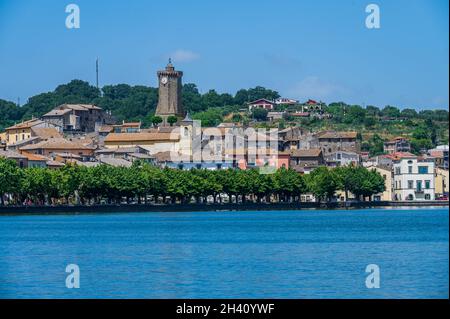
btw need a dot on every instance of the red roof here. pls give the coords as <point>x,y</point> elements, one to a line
<point>311,102</point>
<point>399,155</point>
<point>261,101</point>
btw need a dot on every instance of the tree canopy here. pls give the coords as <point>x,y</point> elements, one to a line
<point>142,182</point>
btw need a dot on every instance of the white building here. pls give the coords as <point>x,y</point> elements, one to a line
<point>413,178</point>
<point>286,101</point>
<point>343,158</point>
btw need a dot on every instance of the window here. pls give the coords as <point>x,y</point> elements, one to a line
<point>427,196</point>
<point>409,169</point>
<point>427,184</point>
<point>419,185</point>
<point>410,197</point>
<point>423,169</point>
<point>397,171</point>
<point>410,184</point>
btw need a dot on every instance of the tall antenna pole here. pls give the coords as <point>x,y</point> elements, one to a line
<point>96,71</point>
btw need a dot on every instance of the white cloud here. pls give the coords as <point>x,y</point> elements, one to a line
<point>314,87</point>
<point>181,55</point>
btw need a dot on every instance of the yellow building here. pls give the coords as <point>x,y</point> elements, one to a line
<point>2,137</point>
<point>386,173</point>
<point>441,181</point>
<point>21,131</point>
<point>153,142</point>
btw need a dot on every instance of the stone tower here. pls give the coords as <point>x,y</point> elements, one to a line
<point>169,101</point>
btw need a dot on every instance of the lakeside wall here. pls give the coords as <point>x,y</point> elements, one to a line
<point>80,209</point>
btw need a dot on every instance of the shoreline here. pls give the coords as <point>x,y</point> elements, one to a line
<point>127,208</point>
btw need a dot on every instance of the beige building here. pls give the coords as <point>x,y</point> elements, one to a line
<point>2,140</point>
<point>23,131</point>
<point>77,117</point>
<point>441,181</point>
<point>386,173</point>
<point>60,145</point>
<point>152,142</point>
<point>331,142</point>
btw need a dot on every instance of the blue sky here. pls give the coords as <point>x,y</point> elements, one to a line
<point>304,49</point>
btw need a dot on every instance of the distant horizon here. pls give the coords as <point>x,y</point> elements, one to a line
<point>321,50</point>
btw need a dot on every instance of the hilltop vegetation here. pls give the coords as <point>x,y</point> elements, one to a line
<point>426,128</point>
<point>130,103</point>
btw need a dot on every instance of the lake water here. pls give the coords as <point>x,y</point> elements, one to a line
<point>257,254</point>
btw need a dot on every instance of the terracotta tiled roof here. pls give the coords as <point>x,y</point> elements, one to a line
<point>26,124</point>
<point>80,107</point>
<point>58,143</point>
<point>141,137</point>
<point>313,152</point>
<point>265,101</point>
<point>400,155</point>
<point>129,124</point>
<point>35,157</point>
<point>66,108</point>
<point>11,154</point>
<point>46,132</point>
<point>57,112</point>
<point>105,128</point>
<point>437,153</point>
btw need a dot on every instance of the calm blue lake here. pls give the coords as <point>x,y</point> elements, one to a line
<point>258,254</point>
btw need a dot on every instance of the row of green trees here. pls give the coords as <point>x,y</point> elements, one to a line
<point>144,182</point>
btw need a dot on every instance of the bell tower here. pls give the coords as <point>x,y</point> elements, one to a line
<point>169,101</point>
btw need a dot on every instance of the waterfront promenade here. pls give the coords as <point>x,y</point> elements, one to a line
<point>248,206</point>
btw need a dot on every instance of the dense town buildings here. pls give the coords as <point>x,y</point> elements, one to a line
<point>86,135</point>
